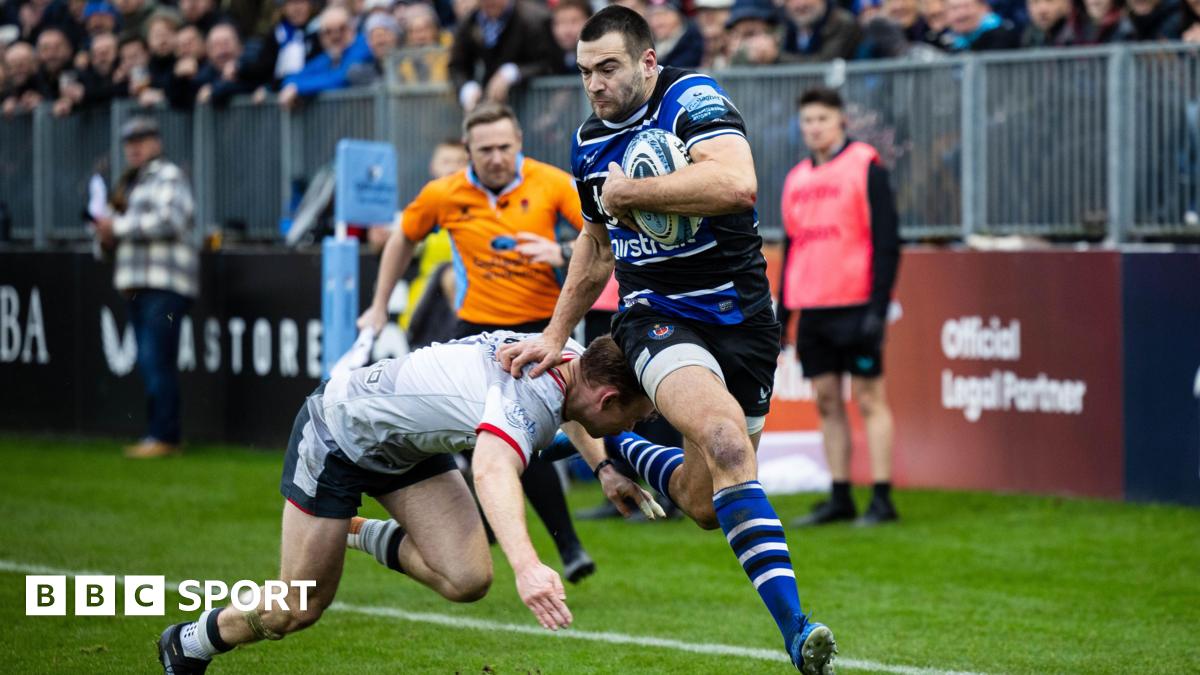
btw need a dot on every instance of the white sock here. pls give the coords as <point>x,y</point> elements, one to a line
<point>193,647</point>
<point>374,537</point>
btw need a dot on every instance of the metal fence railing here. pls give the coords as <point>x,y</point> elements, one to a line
<point>1082,143</point>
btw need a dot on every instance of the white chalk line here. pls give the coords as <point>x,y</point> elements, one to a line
<point>466,623</point>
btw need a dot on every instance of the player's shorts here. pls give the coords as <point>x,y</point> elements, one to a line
<point>321,480</point>
<point>831,341</point>
<point>742,355</point>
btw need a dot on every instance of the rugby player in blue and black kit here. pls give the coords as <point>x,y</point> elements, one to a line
<point>696,320</point>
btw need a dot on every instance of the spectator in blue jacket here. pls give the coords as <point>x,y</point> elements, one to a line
<point>329,70</point>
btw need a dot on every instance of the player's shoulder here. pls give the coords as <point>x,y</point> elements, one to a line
<point>446,185</point>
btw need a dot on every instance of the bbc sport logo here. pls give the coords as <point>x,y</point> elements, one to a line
<point>146,595</point>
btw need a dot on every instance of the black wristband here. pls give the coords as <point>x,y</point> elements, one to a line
<point>603,463</point>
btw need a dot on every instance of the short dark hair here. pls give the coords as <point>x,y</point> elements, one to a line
<point>604,364</point>
<point>449,142</point>
<point>581,5</point>
<point>821,96</point>
<point>486,113</point>
<point>617,19</point>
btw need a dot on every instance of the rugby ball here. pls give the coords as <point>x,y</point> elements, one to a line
<point>654,152</point>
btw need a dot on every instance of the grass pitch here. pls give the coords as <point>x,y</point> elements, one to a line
<point>966,582</point>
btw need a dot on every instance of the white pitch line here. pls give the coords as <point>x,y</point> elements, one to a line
<point>466,623</point>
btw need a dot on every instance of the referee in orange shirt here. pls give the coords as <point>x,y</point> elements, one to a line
<point>501,213</point>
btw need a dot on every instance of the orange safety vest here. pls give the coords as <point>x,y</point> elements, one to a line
<point>828,219</point>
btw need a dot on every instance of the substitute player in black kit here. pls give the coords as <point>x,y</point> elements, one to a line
<point>696,320</point>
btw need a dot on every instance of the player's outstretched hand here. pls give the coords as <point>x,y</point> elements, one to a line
<point>543,351</point>
<point>625,493</point>
<point>373,318</point>
<point>542,591</point>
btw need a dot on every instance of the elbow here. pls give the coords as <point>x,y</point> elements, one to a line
<point>744,196</point>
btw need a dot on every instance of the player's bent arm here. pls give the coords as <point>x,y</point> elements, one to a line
<point>497,470</point>
<point>397,254</point>
<point>719,180</point>
<point>622,492</point>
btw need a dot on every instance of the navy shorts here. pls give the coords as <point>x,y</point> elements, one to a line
<point>831,341</point>
<point>337,488</point>
<point>743,355</point>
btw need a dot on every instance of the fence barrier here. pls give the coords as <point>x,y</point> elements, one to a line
<point>1091,143</point>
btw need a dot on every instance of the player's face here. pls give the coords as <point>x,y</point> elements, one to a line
<point>494,148</point>
<point>615,82</point>
<point>614,418</point>
<point>822,127</point>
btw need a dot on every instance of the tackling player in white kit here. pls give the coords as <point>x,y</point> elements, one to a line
<point>389,430</point>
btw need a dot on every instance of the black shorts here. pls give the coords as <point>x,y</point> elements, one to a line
<point>746,353</point>
<point>338,487</point>
<point>831,341</point>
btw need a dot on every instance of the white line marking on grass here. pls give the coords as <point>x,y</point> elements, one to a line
<point>466,623</point>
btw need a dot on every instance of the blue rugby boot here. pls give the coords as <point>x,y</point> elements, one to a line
<point>812,648</point>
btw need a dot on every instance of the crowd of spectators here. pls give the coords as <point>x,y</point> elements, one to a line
<point>76,53</point>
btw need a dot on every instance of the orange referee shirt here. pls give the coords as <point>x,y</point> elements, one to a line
<point>497,285</point>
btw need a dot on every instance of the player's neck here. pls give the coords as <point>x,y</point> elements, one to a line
<point>569,372</point>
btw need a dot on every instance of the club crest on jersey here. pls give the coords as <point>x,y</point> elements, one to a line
<point>661,332</point>
<point>519,418</point>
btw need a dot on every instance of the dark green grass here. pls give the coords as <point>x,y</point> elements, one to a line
<point>967,581</point>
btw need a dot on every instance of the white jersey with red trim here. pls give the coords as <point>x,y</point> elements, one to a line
<point>391,415</point>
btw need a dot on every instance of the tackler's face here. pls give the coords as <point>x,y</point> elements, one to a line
<point>609,417</point>
<point>612,77</point>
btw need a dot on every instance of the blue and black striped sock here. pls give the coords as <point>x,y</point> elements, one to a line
<point>654,463</point>
<point>756,537</point>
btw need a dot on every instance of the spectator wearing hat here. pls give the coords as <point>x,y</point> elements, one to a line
<point>1052,23</point>
<point>499,45</point>
<point>1153,20</point>
<point>566,23</point>
<point>341,50</point>
<point>710,17</point>
<point>818,30</point>
<point>974,27</point>
<point>383,37</point>
<point>156,269</point>
<point>1103,22</point>
<point>677,40</point>
<point>753,30</point>
<point>100,17</point>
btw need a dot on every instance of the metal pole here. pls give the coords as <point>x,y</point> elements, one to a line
<point>1119,136</point>
<point>43,151</point>
<point>972,151</point>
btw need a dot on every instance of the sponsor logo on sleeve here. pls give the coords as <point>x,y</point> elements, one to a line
<point>702,103</point>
